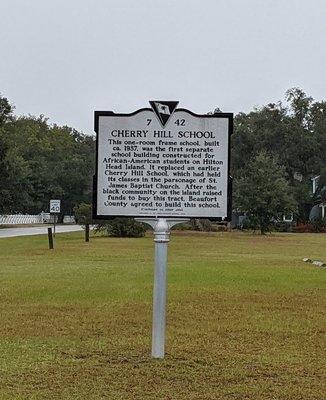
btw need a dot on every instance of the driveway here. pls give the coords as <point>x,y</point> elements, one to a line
<point>37,230</point>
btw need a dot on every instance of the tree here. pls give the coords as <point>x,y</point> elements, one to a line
<point>39,162</point>
<point>318,128</point>
<point>262,192</point>
<point>263,129</point>
<point>14,169</point>
<point>14,178</point>
<point>6,110</point>
<point>300,105</point>
<point>294,133</point>
<point>320,194</point>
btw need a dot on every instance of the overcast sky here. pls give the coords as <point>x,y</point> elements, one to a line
<point>67,58</point>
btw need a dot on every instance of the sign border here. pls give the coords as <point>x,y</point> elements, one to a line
<point>98,114</point>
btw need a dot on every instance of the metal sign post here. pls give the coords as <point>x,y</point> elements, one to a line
<point>161,227</point>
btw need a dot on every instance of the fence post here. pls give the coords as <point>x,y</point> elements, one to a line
<point>50,237</point>
<point>87,233</point>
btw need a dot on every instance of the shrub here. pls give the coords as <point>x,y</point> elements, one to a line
<point>83,214</point>
<point>247,223</point>
<point>284,226</point>
<point>203,225</point>
<point>315,226</point>
<point>121,227</point>
<point>319,225</point>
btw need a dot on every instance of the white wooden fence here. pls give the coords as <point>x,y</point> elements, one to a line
<point>43,218</point>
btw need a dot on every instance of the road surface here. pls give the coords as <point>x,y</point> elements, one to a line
<point>37,230</point>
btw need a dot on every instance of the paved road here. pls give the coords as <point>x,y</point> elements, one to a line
<point>37,230</point>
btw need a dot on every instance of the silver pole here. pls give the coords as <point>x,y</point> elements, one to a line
<point>161,239</point>
<point>161,228</point>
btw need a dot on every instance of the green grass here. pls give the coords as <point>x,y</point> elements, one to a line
<point>245,319</point>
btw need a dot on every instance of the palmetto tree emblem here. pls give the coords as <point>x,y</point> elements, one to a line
<point>163,110</point>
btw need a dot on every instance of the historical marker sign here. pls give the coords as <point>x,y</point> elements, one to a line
<point>162,162</point>
<point>55,206</point>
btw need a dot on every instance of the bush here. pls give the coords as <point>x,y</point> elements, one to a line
<point>315,226</point>
<point>247,223</point>
<point>319,224</point>
<point>221,227</point>
<point>185,226</point>
<point>203,225</point>
<point>83,214</point>
<point>284,226</point>
<point>121,227</point>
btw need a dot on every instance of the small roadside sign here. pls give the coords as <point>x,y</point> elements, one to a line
<point>55,206</point>
<point>54,209</point>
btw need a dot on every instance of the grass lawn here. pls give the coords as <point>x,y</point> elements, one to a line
<point>245,318</point>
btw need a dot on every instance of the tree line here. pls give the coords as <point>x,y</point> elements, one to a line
<point>276,150</point>
<point>39,162</point>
